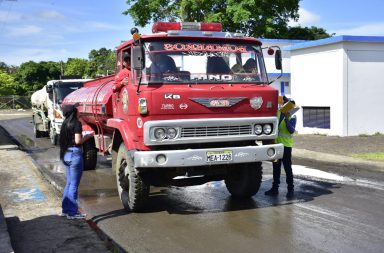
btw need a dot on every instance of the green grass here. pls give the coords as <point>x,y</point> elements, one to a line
<point>370,156</point>
<point>368,135</point>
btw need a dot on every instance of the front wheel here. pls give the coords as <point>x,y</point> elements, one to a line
<point>133,191</point>
<point>37,133</point>
<point>244,180</point>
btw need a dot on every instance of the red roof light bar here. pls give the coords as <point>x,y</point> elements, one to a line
<point>186,26</point>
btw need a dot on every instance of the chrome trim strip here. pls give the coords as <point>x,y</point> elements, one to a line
<point>149,139</point>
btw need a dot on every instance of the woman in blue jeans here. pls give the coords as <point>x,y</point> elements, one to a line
<point>71,153</point>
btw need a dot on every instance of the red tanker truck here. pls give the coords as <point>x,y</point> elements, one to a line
<point>198,107</point>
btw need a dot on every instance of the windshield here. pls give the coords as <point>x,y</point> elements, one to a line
<point>63,89</point>
<point>199,62</point>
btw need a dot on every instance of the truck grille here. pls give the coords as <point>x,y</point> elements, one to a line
<point>190,132</point>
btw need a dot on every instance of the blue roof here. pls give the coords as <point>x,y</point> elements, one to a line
<point>277,74</point>
<point>281,40</point>
<point>333,40</point>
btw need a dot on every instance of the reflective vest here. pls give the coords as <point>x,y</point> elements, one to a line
<point>284,137</point>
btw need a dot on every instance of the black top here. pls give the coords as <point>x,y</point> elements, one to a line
<point>77,129</point>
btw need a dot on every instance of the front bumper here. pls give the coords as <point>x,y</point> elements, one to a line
<point>198,157</point>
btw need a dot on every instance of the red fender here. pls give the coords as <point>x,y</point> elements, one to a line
<point>125,132</point>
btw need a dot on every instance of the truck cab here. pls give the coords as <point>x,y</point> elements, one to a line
<point>47,113</point>
<point>57,90</point>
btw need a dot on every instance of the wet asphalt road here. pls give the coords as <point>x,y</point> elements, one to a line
<point>325,216</point>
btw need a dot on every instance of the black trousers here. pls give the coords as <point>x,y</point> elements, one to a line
<point>287,163</point>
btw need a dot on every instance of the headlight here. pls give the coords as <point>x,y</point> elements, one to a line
<point>159,133</point>
<point>267,129</point>
<point>171,133</point>
<point>57,114</point>
<point>258,129</point>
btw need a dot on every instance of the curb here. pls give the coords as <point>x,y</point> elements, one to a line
<point>5,239</point>
<point>50,178</point>
<point>345,162</point>
<point>339,164</point>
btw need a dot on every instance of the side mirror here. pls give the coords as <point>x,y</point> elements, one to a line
<point>137,57</point>
<point>49,89</point>
<point>278,60</point>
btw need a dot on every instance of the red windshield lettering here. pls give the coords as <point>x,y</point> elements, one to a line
<point>205,48</point>
<point>168,47</point>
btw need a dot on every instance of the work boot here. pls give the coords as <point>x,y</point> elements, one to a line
<point>272,192</point>
<point>290,194</point>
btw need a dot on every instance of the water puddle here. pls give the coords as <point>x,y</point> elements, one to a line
<point>306,172</point>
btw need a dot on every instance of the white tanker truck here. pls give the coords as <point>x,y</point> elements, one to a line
<point>46,106</point>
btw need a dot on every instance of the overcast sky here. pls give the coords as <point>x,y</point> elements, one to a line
<point>43,30</point>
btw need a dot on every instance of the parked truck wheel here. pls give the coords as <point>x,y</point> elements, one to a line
<point>244,181</point>
<point>37,133</point>
<point>53,136</point>
<point>133,191</point>
<point>90,155</point>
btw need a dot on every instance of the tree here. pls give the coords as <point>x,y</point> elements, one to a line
<point>3,66</point>
<point>76,66</point>
<point>306,33</point>
<point>32,76</point>
<point>101,62</point>
<point>8,69</point>
<point>256,18</point>
<point>7,86</point>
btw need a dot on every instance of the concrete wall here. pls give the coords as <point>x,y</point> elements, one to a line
<point>277,84</point>
<point>365,88</point>
<point>317,77</point>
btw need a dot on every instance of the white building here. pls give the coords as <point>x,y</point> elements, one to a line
<point>338,84</point>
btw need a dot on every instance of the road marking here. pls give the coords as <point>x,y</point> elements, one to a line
<point>27,194</point>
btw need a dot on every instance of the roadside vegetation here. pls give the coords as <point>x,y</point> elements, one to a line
<point>30,76</point>
<point>368,135</point>
<point>379,156</point>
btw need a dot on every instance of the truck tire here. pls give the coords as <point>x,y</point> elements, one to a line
<point>53,136</point>
<point>244,181</point>
<point>90,155</point>
<point>37,133</point>
<point>133,191</point>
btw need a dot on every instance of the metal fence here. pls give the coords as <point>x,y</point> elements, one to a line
<point>15,102</point>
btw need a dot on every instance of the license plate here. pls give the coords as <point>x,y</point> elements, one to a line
<point>219,156</point>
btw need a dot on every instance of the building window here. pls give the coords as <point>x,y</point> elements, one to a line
<point>286,84</point>
<point>318,117</point>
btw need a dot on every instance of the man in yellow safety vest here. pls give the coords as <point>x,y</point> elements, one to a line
<point>287,124</point>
